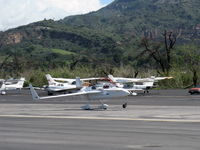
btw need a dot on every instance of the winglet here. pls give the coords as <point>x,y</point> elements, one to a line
<point>78,82</point>
<point>33,93</point>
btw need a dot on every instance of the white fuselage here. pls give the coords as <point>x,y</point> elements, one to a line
<point>13,84</point>
<point>56,86</point>
<point>109,93</point>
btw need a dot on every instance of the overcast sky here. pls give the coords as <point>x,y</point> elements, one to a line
<point>21,12</point>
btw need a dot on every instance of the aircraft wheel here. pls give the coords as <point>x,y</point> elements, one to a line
<point>3,93</point>
<point>124,105</point>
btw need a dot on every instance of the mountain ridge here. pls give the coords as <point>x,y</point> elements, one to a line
<point>107,36</point>
<point>144,17</point>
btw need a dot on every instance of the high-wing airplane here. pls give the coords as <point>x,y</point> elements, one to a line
<point>11,84</point>
<point>91,93</point>
<point>99,82</point>
<point>66,86</point>
<point>137,83</point>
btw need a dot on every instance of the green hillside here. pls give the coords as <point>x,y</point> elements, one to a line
<point>110,40</point>
<point>149,18</point>
<point>48,42</point>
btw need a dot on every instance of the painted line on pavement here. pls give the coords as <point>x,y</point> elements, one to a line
<point>100,118</point>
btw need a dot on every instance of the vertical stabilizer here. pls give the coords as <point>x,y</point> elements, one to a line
<point>3,89</point>
<point>3,86</point>
<point>33,93</point>
<point>78,82</point>
<point>20,83</point>
<point>115,81</point>
<point>111,78</point>
<point>50,79</point>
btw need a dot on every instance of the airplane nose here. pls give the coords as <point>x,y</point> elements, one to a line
<point>126,92</point>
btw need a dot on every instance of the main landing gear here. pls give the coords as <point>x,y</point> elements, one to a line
<point>124,105</point>
<point>3,92</point>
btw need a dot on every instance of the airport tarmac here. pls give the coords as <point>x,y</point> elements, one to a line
<point>163,120</point>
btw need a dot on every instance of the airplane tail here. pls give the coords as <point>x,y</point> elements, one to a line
<point>78,82</point>
<point>3,86</point>
<point>33,93</point>
<point>20,83</point>
<point>114,81</point>
<point>111,78</point>
<point>49,79</point>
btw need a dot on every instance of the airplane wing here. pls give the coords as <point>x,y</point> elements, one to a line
<point>126,80</point>
<point>61,90</point>
<point>71,80</point>
<point>64,79</point>
<point>89,79</point>
<point>36,97</point>
<point>162,78</point>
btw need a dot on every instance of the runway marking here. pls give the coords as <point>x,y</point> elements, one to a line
<point>100,118</point>
<point>172,96</point>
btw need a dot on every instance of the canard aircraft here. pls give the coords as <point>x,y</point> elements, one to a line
<point>91,93</point>
<point>11,84</point>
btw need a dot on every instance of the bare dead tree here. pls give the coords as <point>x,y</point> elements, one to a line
<point>170,40</point>
<point>160,52</point>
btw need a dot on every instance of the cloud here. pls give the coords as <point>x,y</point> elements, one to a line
<point>20,12</point>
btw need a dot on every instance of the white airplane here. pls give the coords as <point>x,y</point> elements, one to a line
<point>11,84</point>
<point>137,83</point>
<point>54,86</point>
<point>100,82</point>
<point>64,84</point>
<point>91,93</point>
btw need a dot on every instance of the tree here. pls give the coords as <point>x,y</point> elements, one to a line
<point>160,52</point>
<point>189,58</point>
<point>13,63</point>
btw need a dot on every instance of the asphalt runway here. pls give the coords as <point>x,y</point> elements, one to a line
<point>176,97</point>
<point>161,120</point>
<point>83,134</point>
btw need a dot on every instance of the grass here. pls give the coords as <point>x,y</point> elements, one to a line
<point>62,52</point>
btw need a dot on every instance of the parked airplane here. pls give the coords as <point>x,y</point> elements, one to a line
<point>92,94</point>
<point>99,82</point>
<point>11,84</point>
<point>134,84</point>
<point>65,84</point>
<point>55,86</point>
